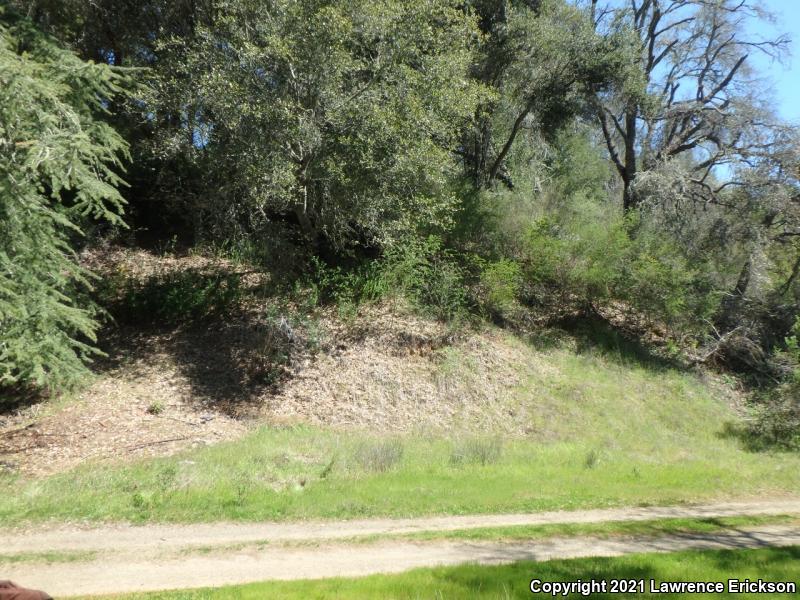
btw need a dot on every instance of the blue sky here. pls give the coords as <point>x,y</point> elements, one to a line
<point>786,77</point>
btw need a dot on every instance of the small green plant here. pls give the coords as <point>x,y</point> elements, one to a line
<point>242,484</point>
<point>451,366</point>
<point>165,478</point>
<point>156,407</point>
<point>499,287</point>
<point>477,450</point>
<point>379,456</point>
<point>169,246</point>
<point>328,468</point>
<point>142,500</point>
<point>592,459</point>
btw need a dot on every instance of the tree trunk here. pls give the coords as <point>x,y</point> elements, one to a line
<point>726,315</point>
<point>493,172</point>
<point>305,222</point>
<point>629,199</point>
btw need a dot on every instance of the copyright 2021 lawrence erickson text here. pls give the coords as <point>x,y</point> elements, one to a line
<point>588,587</point>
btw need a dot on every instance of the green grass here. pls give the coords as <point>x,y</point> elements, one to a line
<point>512,581</point>
<point>604,430</point>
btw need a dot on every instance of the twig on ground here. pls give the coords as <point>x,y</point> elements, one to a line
<point>178,420</point>
<point>177,439</point>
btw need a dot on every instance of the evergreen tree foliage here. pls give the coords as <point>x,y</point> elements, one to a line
<point>58,167</point>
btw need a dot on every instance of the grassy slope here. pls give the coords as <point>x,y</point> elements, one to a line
<point>512,581</point>
<point>604,431</point>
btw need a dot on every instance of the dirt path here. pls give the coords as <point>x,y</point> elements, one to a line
<point>120,574</point>
<point>161,537</point>
<point>162,556</point>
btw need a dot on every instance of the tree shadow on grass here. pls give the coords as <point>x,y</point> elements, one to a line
<point>15,398</point>
<point>212,324</point>
<point>228,364</point>
<point>593,334</point>
<point>757,437</point>
<point>512,580</point>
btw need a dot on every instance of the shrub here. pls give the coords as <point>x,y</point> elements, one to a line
<point>592,254</point>
<point>578,250</point>
<point>364,283</point>
<point>659,280</point>
<point>777,418</point>
<point>430,276</point>
<point>499,287</point>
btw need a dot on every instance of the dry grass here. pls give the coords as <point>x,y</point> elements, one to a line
<point>383,373</point>
<point>383,370</point>
<point>111,419</point>
<point>403,374</point>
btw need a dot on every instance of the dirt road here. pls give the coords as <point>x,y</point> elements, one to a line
<point>157,557</point>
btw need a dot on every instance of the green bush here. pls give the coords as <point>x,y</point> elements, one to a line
<point>776,423</point>
<point>585,252</point>
<point>579,250</point>
<point>366,282</point>
<point>658,280</point>
<point>430,276</point>
<point>777,417</point>
<point>499,287</point>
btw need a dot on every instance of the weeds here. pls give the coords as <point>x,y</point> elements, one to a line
<point>379,456</point>
<point>171,297</point>
<point>591,460</point>
<point>477,450</point>
<point>328,468</point>
<point>242,485</point>
<point>156,407</point>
